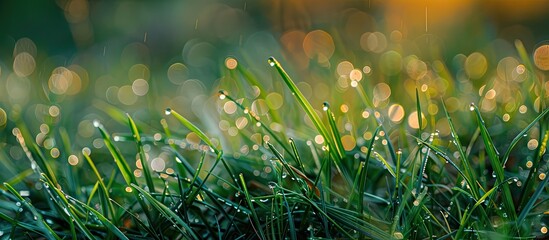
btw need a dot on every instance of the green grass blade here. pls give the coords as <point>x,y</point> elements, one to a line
<point>419,114</point>
<point>362,183</point>
<point>45,228</point>
<point>68,211</point>
<point>307,107</point>
<point>258,228</point>
<point>469,174</point>
<point>119,159</point>
<point>336,137</point>
<point>261,124</point>
<point>193,128</point>
<point>168,213</point>
<point>110,226</point>
<point>532,200</point>
<point>521,135</point>
<point>144,161</point>
<point>496,164</point>
<point>533,172</point>
<point>105,193</point>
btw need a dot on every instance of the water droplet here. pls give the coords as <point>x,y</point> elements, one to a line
<point>325,106</point>
<point>222,94</point>
<point>472,107</point>
<point>168,111</point>
<point>237,194</point>
<point>96,123</point>
<point>271,61</point>
<point>505,215</point>
<point>263,200</point>
<point>18,204</point>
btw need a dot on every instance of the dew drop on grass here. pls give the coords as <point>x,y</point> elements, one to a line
<point>168,111</point>
<point>237,194</point>
<point>96,123</point>
<point>271,61</point>
<point>222,94</point>
<point>18,204</point>
<point>472,107</point>
<point>325,106</point>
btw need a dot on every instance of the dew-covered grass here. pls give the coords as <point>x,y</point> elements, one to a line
<point>389,139</point>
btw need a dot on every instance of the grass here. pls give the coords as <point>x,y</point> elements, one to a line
<point>398,183</point>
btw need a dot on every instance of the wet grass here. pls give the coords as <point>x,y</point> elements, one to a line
<point>396,184</point>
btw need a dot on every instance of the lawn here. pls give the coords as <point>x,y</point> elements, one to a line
<point>274,120</point>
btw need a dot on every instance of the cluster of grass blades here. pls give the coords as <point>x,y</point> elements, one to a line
<point>433,188</point>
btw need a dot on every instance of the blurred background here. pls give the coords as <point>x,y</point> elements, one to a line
<point>66,63</point>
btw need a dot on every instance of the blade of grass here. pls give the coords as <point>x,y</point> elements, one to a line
<point>337,156</point>
<point>68,211</point>
<point>255,218</point>
<point>110,226</point>
<point>496,164</point>
<point>363,178</point>
<point>336,137</point>
<point>469,174</point>
<point>525,194</point>
<point>258,121</point>
<point>107,205</point>
<point>144,161</point>
<point>124,168</point>
<point>532,200</point>
<point>187,231</point>
<point>521,135</point>
<point>119,159</point>
<point>44,227</point>
<point>193,129</point>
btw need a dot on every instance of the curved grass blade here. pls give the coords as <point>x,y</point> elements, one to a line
<point>186,230</point>
<point>62,202</point>
<point>307,107</point>
<point>336,137</point>
<point>469,175</point>
<point>262,125</point>
<point>532,200</point>
<point>110,226</point>
<point>496,164</point>
<point>521,135</point>
<point>45,228</point>
<point>144,162</point>
<point>468,212</point>
<point>533,172</point>
<point>254,216</point>
<point>193,128</point>
<point>107,205</point>
<point>117,156</point>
